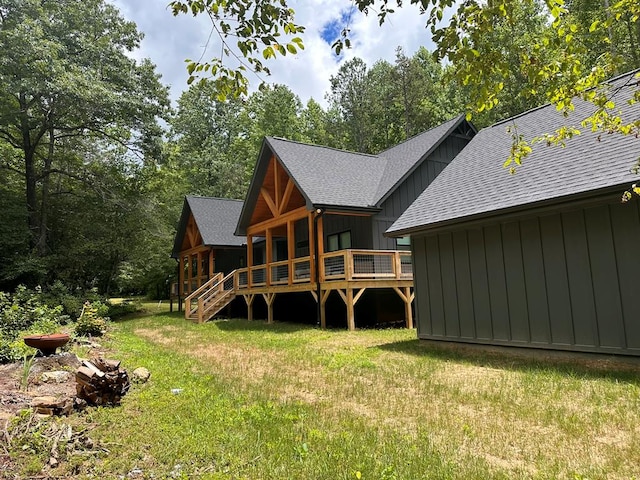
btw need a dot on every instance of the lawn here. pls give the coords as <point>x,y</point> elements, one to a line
<point>245,400</point>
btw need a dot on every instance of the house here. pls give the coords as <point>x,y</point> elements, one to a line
<point>547,257</point>
<point>205,242</point>
<point>314,219</point>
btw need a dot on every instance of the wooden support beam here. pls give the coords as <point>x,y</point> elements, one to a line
<point>259,228</point>
<point>407,307</point>
<point>323,313</point>
<point>249,259</point>
<point>351,316</point>
<point>269,298</point>
<point>358,295</point>
<point>314,295</point>
<point>199,268</point>
<point>270,203</point>
<point>407,297</point>
<point>212,266</point>
<point>189,272</point>
<point>248,299</point>
<point>181,277</point>
<point>269,255</point>
<point>286,195</point>
<point>312,249</point>
<point>291,248</point>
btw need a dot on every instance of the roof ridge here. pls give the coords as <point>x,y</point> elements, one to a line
<point>323,146</point>
<point>457,117</point>
<point>214,198</point>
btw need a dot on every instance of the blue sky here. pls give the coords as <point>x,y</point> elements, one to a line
<point>170,40</point>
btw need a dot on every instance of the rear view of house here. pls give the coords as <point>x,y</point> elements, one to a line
<point>314,218</point>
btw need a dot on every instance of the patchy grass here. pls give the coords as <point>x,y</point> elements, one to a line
<point>283,401</point>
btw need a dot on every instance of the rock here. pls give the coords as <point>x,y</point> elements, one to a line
<point>49,405</point>
<point>140,375</point>
<point>58,376</point>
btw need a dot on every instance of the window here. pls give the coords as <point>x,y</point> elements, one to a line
<point>339,241</point>
<point>403,243</point>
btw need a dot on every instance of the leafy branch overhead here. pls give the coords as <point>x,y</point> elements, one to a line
<point>580,45</point>
<point>250,32</point>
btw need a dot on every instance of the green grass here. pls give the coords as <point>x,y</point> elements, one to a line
<point>285,401</point>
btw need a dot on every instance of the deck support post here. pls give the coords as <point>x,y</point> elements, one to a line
<point>269,298</point>
<point>407,297</point>
<point>351,317</point>
<point>323,312</point>
<point>248,299</point>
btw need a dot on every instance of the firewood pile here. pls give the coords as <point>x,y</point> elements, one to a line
<point>101,382</point>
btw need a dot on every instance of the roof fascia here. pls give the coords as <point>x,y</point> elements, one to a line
<point>182,228</point>
<point>511,213</point>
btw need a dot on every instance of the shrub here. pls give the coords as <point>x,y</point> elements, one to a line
<point>25,313</point>
<point>92,322</point>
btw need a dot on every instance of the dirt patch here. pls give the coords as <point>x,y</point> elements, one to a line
<point>15,397</point>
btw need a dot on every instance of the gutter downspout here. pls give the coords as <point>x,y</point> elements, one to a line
<point>316,253</point>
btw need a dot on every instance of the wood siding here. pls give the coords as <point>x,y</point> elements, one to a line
<point>562,280</point>
<point>411,188</point>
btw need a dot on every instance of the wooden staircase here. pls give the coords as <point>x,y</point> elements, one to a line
<point>208,300</point>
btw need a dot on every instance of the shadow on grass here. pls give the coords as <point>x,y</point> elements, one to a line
<point>584,365</point>
<point>236,324</point>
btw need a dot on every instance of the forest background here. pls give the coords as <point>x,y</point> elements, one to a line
<point>96,161</point>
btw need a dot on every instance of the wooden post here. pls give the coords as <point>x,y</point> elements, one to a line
<point>320,241</point>
<point>269,256</point>
<point>407,306</point>
<point>199,269</point>
<point>312,250</point>
<point>323,313</point>
<point>249,259</point>
<point>189,273</point>
<point>269,298</point>
<point>351,318</point>
<point>181,277</point>
<point>291,248</point>
<point>397,264</point>
<point>249,301</point>
<point>212,259</point>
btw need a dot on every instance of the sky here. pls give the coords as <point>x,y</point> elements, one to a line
<point>170,40</point>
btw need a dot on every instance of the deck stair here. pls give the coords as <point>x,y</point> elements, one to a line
<point>208,300</point>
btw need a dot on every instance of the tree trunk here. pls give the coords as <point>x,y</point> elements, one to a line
<point>29,173</point>
<point>41,244</point>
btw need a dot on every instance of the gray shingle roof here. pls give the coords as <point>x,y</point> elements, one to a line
<point>404,157</point>
<point>475,182</point>
<point>216,219</point>
<point>329,177</point>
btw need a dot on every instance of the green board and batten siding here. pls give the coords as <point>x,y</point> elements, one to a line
<point>565,279</point>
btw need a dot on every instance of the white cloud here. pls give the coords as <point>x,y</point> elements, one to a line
<point>170,40</point>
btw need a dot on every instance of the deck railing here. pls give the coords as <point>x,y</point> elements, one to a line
<point>340,265</point>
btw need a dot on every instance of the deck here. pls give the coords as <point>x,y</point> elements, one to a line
<point>348,272</point>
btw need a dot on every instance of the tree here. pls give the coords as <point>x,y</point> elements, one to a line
<point>66,79</point>
<point>484,75</point>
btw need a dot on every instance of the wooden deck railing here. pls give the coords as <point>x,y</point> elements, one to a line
<point>340,265</point>
<point>191,301</point>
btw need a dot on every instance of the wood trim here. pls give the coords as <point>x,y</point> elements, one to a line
<point>291,248</point>
<point>296,214</point>
<point>270,203</point>
<point>358,295</point>
<point>269,255</point>
<point>276,186</point>
<point>287,195</point>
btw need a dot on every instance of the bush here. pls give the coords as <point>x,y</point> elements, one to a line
<point>92,322</point>
<point>25,313</point>
<point>126,307</point>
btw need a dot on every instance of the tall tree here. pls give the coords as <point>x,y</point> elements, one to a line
<point>350,95</point>
<point>65,74</point>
